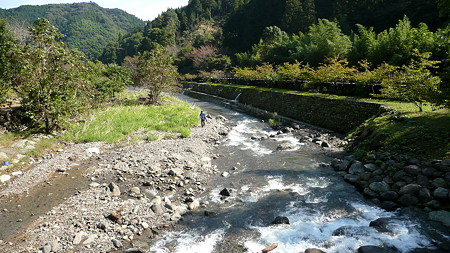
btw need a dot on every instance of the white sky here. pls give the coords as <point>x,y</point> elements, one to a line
<point>143,9</point>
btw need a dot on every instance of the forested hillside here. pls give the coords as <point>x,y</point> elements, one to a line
<point>86,26</point>
<point>211,35</point>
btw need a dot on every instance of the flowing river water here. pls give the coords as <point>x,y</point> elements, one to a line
<point>324,211</point>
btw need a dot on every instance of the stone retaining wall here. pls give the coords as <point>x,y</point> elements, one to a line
<point>333,114</point>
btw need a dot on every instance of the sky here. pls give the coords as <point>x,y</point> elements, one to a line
<point>143,9</point>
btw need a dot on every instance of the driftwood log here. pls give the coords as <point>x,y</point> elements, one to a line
<point>270,248</point>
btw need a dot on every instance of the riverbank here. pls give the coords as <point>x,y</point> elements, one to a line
<point>122,192</point>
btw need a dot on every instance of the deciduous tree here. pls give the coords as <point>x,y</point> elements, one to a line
<point>156,72</point>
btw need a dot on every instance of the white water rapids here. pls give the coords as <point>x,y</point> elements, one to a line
<point>270,183</point>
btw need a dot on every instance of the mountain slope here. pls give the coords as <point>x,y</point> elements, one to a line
<point>86,26</point>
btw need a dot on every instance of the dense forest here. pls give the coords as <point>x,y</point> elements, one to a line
<point>86,26</point>
<point>211,35</point>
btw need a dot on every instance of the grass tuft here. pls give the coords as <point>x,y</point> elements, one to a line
<point>113,124</point>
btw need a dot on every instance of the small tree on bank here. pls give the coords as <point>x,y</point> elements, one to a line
<point>48,78</point>
<point>156,72</point>
<point>414,82</point>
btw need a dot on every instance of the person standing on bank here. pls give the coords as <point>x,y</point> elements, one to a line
<point>202,118</point>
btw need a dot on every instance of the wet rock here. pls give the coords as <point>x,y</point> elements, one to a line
<point>280,220</point>
<point>373,249</point>
<point>439,182</point>
<point>412,169</point>
<point>410,189</point>
<point>408,200</point>
<point>440,216</point>
<point>431,172</point>
<point>389,195</point>
<point>356,168</point>
<point>351,178</point>
<point>370,193</point>
<point>116,243</point>
<point>381,224</point>
<point>225,192</point>
<point>379,186</point>
<point>314,250</point>
<point>425,195</point>
<point>434,204</point>
<point>211,213</point>
<point>115,190</point>
<point>371,167</point>
<point>399,175</point>
<point>388,205</point>
<point>441,193</point>
<point>343,165</point>
<point>285,146</point>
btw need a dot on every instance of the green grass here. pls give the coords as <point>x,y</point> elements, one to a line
<point>396,105</point>
<point>423,135</point>
<point>116,123</point>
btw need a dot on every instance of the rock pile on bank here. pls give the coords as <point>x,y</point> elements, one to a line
<point>394,182</point>
<point>135,190</point>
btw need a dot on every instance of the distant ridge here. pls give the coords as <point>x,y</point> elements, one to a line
<point>86,26</point>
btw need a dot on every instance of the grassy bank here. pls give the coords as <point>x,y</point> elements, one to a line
<point>130,121</point>
<point>404,130</point>
<point>423,135</point>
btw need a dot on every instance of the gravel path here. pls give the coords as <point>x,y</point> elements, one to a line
<point>133,191</point>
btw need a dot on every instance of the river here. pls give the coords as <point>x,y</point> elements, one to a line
<point>324,211</point>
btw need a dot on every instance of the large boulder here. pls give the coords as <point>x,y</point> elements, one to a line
<point>280,220</point>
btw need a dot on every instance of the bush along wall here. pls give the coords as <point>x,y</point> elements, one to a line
<point>334,114</point>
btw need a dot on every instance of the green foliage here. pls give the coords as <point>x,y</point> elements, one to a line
<point>49,79</point>
<point>334,71</point>
<point>414,82</point>
<point>156,73</point>
<point>86,26</point>
<point>295,71</point>
<point>116,123</point>
<point>108,79</point>
<point>324,40</point>
<point>8,44</point>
